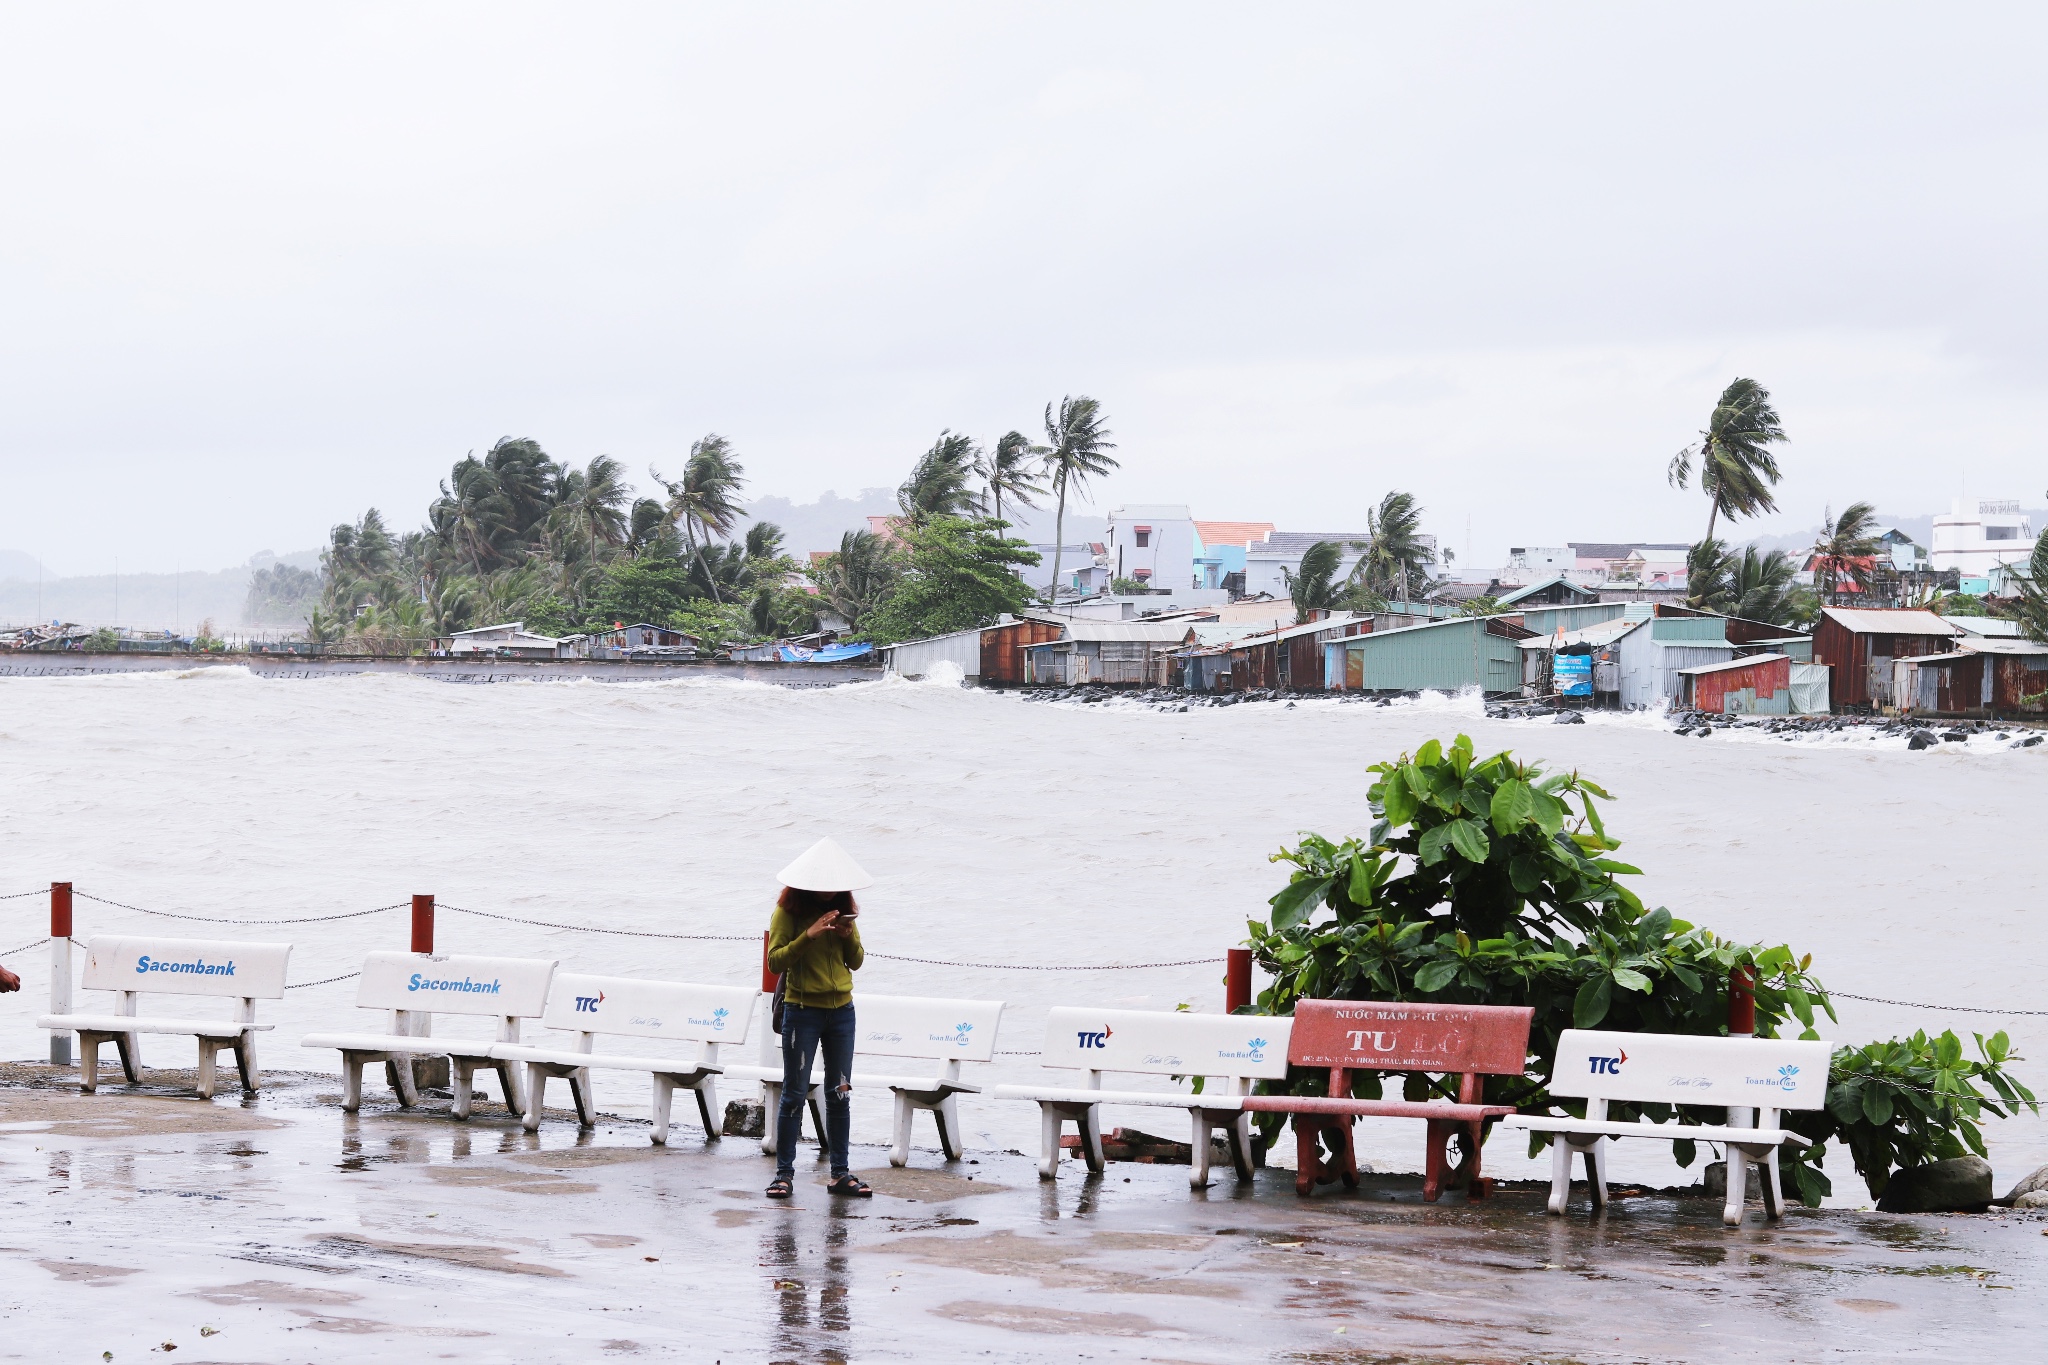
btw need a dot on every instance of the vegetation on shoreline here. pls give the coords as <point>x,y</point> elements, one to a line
<point>1486,881</point>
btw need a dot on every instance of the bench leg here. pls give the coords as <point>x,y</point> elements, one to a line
<point>947,1115</point>
<point>399,1071</point>
<point>1049,1125</point>
<point>1346,1127</point>
<point>579,1090</point>
<point>508,1084</point>
<point>1767,1173</point>
<point>1308,1154</point>
<point>245,1061</point>
<point>209,1051</point>
<point>1090,1125</point>
<point>89,1062</point>
<point>1198,1151</point>
<point>536,1096</point>
<point>818,1120</point>
<point>351,1081</point>
<point>1736,1164</point>
<point>708,1110</point>
<point>771,1111</point>
<point>1435,1159</point>
<point>1240,1130</point>
<point>129,1045</point>
<point>1596,1172</point>
<point>664,1099</point>
<point>462,1083</point>
<point>1560,1173</point>
<point>899,1153</point>
<point>1475,1187</point>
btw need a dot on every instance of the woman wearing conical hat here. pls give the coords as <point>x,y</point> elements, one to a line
<point>814,944</point>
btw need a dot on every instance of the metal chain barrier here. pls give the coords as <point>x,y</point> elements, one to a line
<point>594,929</point>
<point>217,919</point>
<point>1916,1005</point>
<point>32,943</point>
<point>324,981</point>
<point>24,895</point>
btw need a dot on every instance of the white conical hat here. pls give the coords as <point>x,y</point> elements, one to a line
<point>825,866</point>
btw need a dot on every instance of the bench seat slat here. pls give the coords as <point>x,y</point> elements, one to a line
<point>603,1061</point>
<point>1400,1109</point>
<point>1165,1099</point>
<point>130,1023</point>
<point>415,1045</point>
<point>1668,1132</point>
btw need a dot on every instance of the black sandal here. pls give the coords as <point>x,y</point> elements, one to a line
<point>852,1187</point>
<point>779,1188</point>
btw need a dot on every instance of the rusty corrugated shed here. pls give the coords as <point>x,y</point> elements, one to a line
<point>1861,643</point>
<point>1002,649</point>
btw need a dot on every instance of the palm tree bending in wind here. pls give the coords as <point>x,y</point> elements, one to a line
<point>1077,449</point>
<point>1007,468</point>
<point>706,500</point>
<point>938,485</point>
<point>1736,467</point>
<point>1845,548</point>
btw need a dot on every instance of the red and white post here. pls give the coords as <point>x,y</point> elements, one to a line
<point>1237,980</point>
<point>60,968</point>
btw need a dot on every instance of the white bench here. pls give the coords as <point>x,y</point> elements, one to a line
<point>133,966</point>
<point>1756,1078</point>
<point>946,1032</point>
<point>1229,1050</point>
<point>626,1007</point>
<point>415,987</point>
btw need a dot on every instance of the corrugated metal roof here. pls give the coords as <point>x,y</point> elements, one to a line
<point>932,639</point>
<point>1509,599</point>
<point>1981,646</point>
<point>1599,633</point>
<point>1876,621</point>
<point>1737,663</point>
<point>1079,628</point>
<point>1994,626</point>
<point>1295,543</point>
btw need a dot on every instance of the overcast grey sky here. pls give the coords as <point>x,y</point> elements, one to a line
<point>263,266</point>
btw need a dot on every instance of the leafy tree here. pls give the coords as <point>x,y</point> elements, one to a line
<point>939,484</point>
<point>2030,605</point>
<point>1130,587</point>
<point>647,521</point>
<point>1010,468</point>
<point>960,573</point>
<point>645,589</point>
<point>281,594</point>
<point>855,578</point>
<point>1757,586</point>
<point>1077,449</point>
<point>1396,550</point>
<point>1488,881</point>
<point>1737,469</point>
<point>1845,549</point>
<point>1481,606</point>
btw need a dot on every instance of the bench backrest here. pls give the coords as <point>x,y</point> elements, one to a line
<point>186,966</point>
<point>1167,1043</point>
<point>1760,1073</point>
<point>633,1008</point>
<point>926,1026</point>
<point>1370,1035</point>
<point>507,987</point>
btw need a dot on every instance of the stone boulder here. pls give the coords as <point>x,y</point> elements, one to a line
<point>1921,739</point>
<point>1957,1185</point>
<point>2032,1199</point>
<point>2037,1183</point>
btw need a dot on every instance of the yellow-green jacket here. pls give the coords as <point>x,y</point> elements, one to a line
<point>817,972</point>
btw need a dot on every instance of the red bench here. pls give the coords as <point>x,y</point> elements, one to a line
<point>1469,1041</point>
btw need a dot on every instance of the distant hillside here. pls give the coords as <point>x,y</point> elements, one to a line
<point>144,601</point>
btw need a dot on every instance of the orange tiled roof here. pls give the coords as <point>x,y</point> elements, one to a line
<point>1232,532</point>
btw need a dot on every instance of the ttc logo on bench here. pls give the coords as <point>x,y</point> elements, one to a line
<point>587,1004</point>
<point>1606,1066</point>
<point>1101,1039</point>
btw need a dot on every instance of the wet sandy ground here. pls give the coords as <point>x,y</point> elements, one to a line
<point>278,1229</point>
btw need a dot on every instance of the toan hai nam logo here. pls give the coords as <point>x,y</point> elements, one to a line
<point>1788,1077</point>
<point>1095,1040</point>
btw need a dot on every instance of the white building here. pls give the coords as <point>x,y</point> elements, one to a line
<point>1529,564</point>
<point>508,640</point>
<point>1978,535</point>
<point>1154,542</point>
<point>1268,563</point>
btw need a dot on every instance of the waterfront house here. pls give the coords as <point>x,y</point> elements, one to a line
<point>1983,677</point>
<point>1862,645</point>
<point>1755,685</point>
<point>915,659</point>
<point>1635,659</point>
<point>1116,652</point>
<point>1289,658</point>
<point>1443,656</point>
<point>507,640</point>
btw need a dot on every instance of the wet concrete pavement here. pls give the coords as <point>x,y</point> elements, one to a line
<point>279,1229</point>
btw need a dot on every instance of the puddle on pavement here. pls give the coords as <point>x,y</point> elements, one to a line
<point>926,1187</point>
<point>272,1292</point>
<point>1040,1319</point>
<point>118,1116</point>
<point>1063,1262</point>
<point>516,1181</point>
<point>470,1255</point>
<point>87,1272</point>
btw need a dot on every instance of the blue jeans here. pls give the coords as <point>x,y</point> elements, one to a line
<point>803,1029</point>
